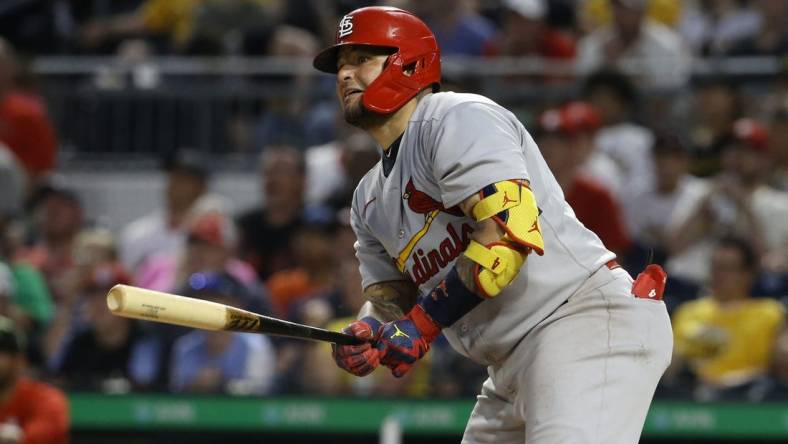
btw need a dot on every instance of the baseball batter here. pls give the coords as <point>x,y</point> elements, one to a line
<point>463,230</point>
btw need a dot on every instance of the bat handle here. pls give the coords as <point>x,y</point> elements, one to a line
<point>342,338</point>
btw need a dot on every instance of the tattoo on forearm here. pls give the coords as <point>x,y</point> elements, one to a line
<point>465,269</point>
<point>391,300</point>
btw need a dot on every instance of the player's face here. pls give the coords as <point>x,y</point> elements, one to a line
<point>729,277</point>
<point>357,68</point>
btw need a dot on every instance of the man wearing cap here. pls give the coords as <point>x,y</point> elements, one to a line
<point>25,127</point>
<point>462,230</point>
<point>633,42</point>
<point>222,361</point>
<point>738,202</point>
<point>31,412</point>
<point>566,139</point>
<point>526,32</point>
<point>185,194</point>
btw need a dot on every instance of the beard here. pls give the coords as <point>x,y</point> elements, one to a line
<point>359,116</point>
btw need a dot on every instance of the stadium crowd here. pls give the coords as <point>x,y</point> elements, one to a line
<point>707,198</point>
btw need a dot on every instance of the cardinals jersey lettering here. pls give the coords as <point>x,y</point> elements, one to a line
<point>409,226</point>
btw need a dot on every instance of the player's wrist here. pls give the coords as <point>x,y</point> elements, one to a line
<point>450,300</point>
<point>428,328</point>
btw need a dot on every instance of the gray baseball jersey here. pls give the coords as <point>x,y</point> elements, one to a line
<point>408,225</point>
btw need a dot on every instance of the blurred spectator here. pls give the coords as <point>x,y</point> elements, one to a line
<point>162,231</point>
<point>286,117</point>
<point>567,140</point>
<point>25,299</point>
<point>58,220</point>
<point>458,27</point>
<point>712,27</point>
<point>13,182</point>
<point>633,41</point>
<point>526,32</point>
<point>335,169</point>
<point>221,362</point>
<point>25,127</point>
<point>211,247</point>
<point>778,146</point>
<point>675,191</point>
<point>212,243</point>
<point>771,38</point>
<point>620,139</point>
<point>717,104</point>
<point>266,231</point>
<point>776,100</point>
<point>315,271</point>
<point>739,202</point>
<point>31,412</point>
<point>188,26</point>
<point>108,353</point>
<point>726,339</point>
<point>95,261</point>
<point>29,302</point>
<point>777,383</point>
<point>596,13</point>
<point>39,27</point>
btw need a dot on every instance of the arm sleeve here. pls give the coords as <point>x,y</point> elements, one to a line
<point>375,264</point>
<point>475,145</point>
<point>49,424</point>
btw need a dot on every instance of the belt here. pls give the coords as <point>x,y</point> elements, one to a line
<point>611,265</point>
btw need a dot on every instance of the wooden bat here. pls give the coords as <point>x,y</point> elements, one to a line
<point>139,303</point>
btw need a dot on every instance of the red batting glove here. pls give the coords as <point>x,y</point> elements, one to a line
<point>403,342</point>
<point>359,360</point>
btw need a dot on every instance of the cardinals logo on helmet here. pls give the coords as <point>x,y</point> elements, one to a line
<point>345,26</point>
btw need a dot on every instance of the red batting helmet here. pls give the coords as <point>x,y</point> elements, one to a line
<point>415,47</point>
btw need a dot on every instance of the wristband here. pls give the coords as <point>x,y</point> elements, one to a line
<point>449,300</point>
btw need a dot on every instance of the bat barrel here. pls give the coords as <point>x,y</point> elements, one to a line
<point>149,305</point>
<point>140,303</point>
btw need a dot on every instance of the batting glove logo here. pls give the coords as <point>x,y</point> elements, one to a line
<point>345,26</point>
<point>399,333</point>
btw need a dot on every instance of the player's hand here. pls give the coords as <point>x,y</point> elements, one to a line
<point>403,342</point>
<point>359,360</point>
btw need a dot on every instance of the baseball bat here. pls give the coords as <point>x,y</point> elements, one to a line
<point>140,303</point>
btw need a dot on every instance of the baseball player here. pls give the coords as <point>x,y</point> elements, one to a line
<point>463,230</point>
